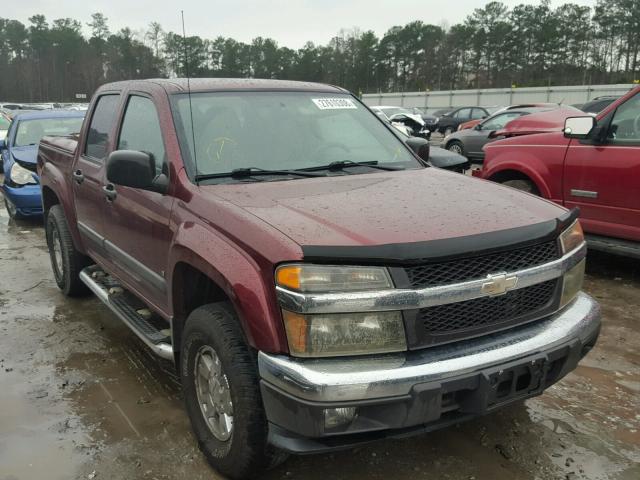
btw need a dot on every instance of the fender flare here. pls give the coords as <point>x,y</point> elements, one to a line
<point>238,276</point>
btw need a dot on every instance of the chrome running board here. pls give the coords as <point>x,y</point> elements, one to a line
<point>118,300</point>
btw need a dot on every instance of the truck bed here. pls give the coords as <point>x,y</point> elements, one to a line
<point>58,151</point>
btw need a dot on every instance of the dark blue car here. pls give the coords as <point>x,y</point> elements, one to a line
<point>21,187</point>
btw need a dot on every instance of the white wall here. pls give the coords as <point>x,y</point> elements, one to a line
<point>495,96</point>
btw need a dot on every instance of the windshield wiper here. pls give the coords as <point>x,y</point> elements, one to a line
<point>247,172</point>
<point>342,164</point>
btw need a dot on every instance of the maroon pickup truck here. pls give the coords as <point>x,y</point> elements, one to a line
<point>316,283</point>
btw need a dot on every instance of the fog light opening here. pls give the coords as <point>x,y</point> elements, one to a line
<point>339,417</point>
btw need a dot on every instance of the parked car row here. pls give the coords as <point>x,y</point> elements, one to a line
<point>447,120</point>
<point>470,142</point>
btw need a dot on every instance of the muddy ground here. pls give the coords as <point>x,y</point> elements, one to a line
<point>81,397</point>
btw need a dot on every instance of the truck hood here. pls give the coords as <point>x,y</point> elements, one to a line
<point>386,207</point>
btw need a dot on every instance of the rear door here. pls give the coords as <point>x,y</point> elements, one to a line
<point>604,180</point>
<point>462,115</point>
<point>138,234</point>
<point>88,172</point>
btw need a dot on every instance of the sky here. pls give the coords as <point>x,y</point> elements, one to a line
<point>290,22</point>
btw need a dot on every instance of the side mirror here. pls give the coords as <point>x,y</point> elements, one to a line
<point>420,146</point>
<point>478,126</point>
<point>579,127</point>
<point>493,134</point>
<point>134,169</point>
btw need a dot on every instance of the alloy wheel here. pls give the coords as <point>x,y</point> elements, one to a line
<point>56,246</point>
<point>455,148</point>
<point>213,392</point>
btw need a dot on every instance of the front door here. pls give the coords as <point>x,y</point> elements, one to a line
<point>604,180</point>
<point>138,234</point>
<point>88,173</point>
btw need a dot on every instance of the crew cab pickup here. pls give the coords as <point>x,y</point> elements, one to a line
<point>592,163</point>
<point>317,284</point>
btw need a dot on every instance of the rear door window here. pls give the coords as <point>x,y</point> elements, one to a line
<point>101,127</point>
<point>463,114</point>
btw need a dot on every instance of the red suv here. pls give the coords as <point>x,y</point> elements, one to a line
<point>593,163</point>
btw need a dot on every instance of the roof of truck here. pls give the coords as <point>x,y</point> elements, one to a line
<point>178,85</point>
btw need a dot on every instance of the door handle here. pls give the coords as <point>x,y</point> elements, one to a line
<point>110,192</point>
<point>583,193</point>
<point>78,176</point>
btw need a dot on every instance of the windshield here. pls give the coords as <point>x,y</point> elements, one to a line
<point>30,132</point>
<point>283,131</point>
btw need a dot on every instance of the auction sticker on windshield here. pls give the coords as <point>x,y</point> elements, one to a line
<point>333,103</point>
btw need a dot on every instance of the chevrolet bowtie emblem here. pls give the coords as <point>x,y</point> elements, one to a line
<point>499,284</point>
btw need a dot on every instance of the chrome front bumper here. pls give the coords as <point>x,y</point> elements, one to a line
<point>381,376</point>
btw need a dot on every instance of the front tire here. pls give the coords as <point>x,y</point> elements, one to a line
<point>66,261</point>
<point>456,147</point>
<point>222,393</point>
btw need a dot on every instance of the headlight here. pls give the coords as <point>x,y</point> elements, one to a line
<point>21,175</point>
<point>333,335</point>
<point>571,237</point>
<point>330,278</point>
<point>572,283</point>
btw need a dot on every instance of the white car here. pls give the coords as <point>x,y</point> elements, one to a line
<point>404,120</point>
